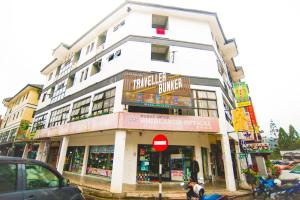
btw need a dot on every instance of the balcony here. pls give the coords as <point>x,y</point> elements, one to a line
<point>237,74</point>
<point>134,121</point>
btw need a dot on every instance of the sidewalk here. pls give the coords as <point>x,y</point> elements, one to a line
<point>97,188</point>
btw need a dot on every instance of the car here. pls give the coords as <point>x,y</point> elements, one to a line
<point>294,173</point>
<point>25,179</point>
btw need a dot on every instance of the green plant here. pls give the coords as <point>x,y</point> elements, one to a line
<point>251,176</point>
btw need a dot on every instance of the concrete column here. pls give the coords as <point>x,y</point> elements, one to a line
<point>85,160</point>
<point>130,160</point>
<point>243,182</point>
<point>40,152</point>
<point>118,162</point>
<point>227,160</point>
<point>62,154</point>
<point>199,160</point>
<point>25,152</point>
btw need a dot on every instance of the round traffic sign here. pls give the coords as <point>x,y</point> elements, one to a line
<point>160,143</point>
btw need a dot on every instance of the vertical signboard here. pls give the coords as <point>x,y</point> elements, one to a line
<point>241,94</point>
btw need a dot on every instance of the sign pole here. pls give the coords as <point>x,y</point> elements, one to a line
<point>160,181</point>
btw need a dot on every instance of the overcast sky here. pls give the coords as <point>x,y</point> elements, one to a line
<point>267,35</point>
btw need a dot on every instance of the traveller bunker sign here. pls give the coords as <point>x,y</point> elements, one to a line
<point>160,143</point>
<point>156,90</point>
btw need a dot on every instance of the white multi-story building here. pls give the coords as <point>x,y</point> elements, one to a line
<point>145,69</point>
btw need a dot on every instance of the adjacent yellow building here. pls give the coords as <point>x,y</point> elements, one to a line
<point>16,123</point>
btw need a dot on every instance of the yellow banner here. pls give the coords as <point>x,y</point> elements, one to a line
<point>240,120</point>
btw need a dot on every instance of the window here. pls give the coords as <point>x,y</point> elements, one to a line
<point>228,115</point>
<point>58,70</point>
<point>59,93</point>
<point>64,68</point>
<point>159,53</point>
<point>103,103</point>
<point>50,76</point>
<point>76,56</point>
<point>86,73</point>
<point>96,67</point>
<point>44,96</point>
<point>38,177</point>
<point>33,114</point>
<point>70,81</point>
<point>21,113</point>
<point>89,48</point>
<point>159,21</point>
<point>80,109</point>
<point>220,67</point>
<point>27,95</point>
<point>114,55</point>
<point>101,39</point>
<point>122,23</point>
<point>110,57</point>
<point>39,122</point>
<point>59,116</point>
<point>8,177</point>
<point>206,103</point>
<point>81,76</point>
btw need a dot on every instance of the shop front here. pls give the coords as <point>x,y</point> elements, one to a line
<point>100,160</point>
<point>176,163</point>
<point>74,159</point>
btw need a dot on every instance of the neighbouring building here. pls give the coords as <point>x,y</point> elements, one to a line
<point>145,69</point>
<point>0,120</point>
<point>15,127</point>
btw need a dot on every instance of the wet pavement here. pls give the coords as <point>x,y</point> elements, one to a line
<point>98,186</point>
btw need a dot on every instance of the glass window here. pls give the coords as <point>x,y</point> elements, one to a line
<point>206,103</point>
<point>38,177</point>
<point>59,116</point>
<point>103,103</point>
<point>160,53</point>
<point>100,160</point>
<point>39,122</point>
<point>159,21</point>
<point>8,177</point>
<point>80,109</point>
<point>59,93</point>
<point>74,159</point>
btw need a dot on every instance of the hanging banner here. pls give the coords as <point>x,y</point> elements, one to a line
<point>156,90</point>
<point>241,94</point>
<point>252,115</point>
<point>240,120</point>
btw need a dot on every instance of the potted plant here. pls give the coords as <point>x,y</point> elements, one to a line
<point>251,176</point>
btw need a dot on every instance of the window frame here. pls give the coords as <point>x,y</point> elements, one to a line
<point>80,105</point>
<point>166,54</point>
<point>39,122</point>
<point>61,113</point>
<point>199,109</point>
<point>101,101</point>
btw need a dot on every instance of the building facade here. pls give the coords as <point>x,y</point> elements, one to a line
<point>145,69</point>
<point>17,120</point>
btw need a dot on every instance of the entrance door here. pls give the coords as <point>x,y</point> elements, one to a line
<point>205,163</point>
<point>52,157</point>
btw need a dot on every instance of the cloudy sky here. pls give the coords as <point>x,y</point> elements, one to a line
<point>267,34</point>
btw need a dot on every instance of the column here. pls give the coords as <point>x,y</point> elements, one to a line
<point>227,160</point>
<point>85,160</point>
<point>62,154</point>
<point>118,163</point>
<point>25,152</point>
<point>198,156</point>
<point>240,165</point>
<point>40,152</point>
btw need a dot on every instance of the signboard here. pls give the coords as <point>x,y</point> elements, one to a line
<point>23,131</point>
<point>258,148</point>
<point>240,121</point>
<point>156,90</point>
<point>252,115</point>
<point>241,94</point>
<point>160,143</point>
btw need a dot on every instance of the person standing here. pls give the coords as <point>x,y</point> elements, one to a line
<point>194,170</point>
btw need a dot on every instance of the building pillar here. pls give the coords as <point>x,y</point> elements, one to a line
<point>40,151</point>
<point>240,166</point>
<point>227,160</point>
<point>85,160</point>
<point>198,157</point>
<point>62,154</point>
<point>26,150</point>
<point>118,162</point>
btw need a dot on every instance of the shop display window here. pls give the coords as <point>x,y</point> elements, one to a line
<point>100,160</point>
<point>176,163</point>
<point>74,159</point>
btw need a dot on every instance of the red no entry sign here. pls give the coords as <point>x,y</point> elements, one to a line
<point>160,143</point>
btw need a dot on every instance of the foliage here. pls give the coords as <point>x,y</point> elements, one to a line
<point>276,154</point>
<point>288,141</point>
<point>252,173</point>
